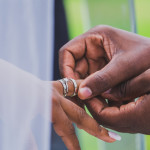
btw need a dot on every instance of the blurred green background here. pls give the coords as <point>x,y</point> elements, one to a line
<point>130,15</point>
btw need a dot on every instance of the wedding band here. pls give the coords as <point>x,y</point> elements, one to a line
<point>75,87</point>
<point>64,87</point>
<point>64,83</point>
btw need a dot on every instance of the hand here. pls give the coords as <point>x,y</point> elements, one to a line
<point>64,112</point>
<point>109,55</point>
<point>132,117</point>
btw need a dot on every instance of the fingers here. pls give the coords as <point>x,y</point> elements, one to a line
<point>68,56</point>
<point>116,71</point>
<point>84,121</point>
<point>130,89</point>
<point>122,49</point>
<point>81,118</point>
<point>95,53</point>
<point>63,127</point>
<point>58,86</point>
<point>82,56</point>
<point>129,118</point>
<point>123,118</point>
<point>124,64</point>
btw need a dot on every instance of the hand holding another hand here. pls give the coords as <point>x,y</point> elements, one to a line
<point>113,63</point>
<point>122,113</point>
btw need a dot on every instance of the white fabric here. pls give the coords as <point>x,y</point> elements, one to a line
<point>26,41</point>
<point>24,103</point>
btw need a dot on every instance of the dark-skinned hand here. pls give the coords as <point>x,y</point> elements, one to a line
<point>123,113</point>
<point>113,62</point>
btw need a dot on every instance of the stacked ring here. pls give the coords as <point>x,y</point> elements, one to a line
<point>64,87</point>
<point>64,83</point>
<point>75,87</point>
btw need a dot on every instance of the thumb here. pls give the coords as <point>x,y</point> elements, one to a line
<point>98,82</point>
<point>115,72</point>
<point>131,89</point>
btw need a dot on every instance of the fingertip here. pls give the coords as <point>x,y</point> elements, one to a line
<point>84,93</point>
<point>108,136</point>
<point>114,136</point>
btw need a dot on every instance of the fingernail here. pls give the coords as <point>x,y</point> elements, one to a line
<point>108,91</point>
<point>114,136</point>
<point>85,92</point>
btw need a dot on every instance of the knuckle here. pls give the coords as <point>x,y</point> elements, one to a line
<point>81,116</point>
<point>71,131</point>
<point>65,131</point>
<point>88,37</point>
<point>61,50</point>
<point>103,27</point>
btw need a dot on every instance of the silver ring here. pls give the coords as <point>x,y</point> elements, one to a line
<point>64,87</point>
<point>66,82</point>
<point>75,87</point>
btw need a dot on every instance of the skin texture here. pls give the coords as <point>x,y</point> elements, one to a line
<point>128,116</point>
<point>114,64</point>
<point>66,112</point>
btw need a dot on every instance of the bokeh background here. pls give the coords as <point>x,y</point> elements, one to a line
<point>81,15</point>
